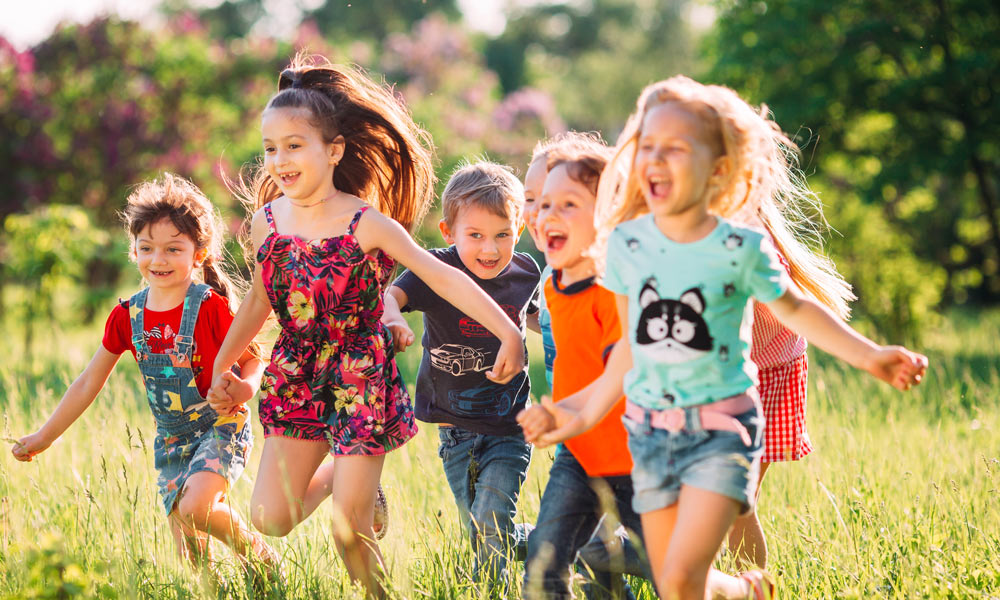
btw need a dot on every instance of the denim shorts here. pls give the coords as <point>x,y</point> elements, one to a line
<point>716,461</point>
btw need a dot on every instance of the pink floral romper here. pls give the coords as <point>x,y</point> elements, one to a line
<point>332,375</point>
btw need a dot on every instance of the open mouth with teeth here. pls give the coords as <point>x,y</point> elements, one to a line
<point>658,186</point>
<point>160,273</point>
<point>288,178</point>
<point>555,241</point>
<point>488,264</point>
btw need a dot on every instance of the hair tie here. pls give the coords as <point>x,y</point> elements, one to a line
<point>297,84</point>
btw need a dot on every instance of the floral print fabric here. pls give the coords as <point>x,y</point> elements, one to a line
<point>332,375</point>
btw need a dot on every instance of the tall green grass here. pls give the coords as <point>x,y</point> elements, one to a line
<point>901,498</point>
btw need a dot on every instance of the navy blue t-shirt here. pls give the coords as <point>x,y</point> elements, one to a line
<point>452,386</point>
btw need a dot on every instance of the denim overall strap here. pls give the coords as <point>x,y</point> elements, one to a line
<point>136,304</point>
<point>184,342</point>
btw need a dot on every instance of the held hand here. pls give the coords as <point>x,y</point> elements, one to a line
<point>534,421</point>
<point>510,361</point>
<point>239,390</point>
<point>897,366</point>
<point>27,447</point>
<point>219,397</point>
<point>568,424</point>
<point>402,335</point>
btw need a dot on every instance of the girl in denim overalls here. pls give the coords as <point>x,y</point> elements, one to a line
<point>197,452</point>
<point>684,276</point>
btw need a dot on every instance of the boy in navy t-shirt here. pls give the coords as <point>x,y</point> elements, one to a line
<point>482,447</point>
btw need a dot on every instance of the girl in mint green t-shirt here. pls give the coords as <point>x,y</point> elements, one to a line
<point>684,278</point>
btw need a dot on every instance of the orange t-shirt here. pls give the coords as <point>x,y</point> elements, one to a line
<point>585,327</point>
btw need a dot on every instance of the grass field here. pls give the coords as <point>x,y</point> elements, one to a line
<point>901,498</point>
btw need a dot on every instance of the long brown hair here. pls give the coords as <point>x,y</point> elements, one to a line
<point>388,159</point>
<point>764,186</point>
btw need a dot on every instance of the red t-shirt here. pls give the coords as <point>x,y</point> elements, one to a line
<point>214,319</point>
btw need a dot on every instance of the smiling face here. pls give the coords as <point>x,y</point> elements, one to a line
<point>534,179</point>
<point>485,240</point>
<point>166,257</point>
<point>673,162</point>
<point>296,157</point>
<point>565,222</point>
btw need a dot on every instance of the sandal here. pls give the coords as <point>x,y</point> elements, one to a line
<point>380,520</point>
<point>760,585</point>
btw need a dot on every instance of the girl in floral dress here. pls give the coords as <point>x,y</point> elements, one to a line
<point>346,173</point>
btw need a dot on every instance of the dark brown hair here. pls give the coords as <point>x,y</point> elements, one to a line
<point>388,159</point>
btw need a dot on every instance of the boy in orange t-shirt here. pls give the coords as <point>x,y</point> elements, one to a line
<point>593,469</point>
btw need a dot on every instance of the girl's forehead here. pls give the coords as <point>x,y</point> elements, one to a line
<point>162,231</point>
<point>286,119</point>
<point>671,118</point>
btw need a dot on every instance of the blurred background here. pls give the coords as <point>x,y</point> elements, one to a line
<point>893,103</point>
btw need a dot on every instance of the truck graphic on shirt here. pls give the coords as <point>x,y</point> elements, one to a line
<point>458,359</point>
<point>486,401</point>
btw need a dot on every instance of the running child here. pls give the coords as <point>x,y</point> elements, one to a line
<point>483,451</point>
<point>174,328</point>
<point>346,173</point>
<point>592,471</point>
<point>684,276</point>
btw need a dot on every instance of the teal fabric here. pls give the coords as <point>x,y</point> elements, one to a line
<point>545,324</point>
<point>689,309</point>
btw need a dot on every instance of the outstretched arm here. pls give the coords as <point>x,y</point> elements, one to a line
<point>78,398</point>
<point>392,316</point>
<point>379,231</point>
<point>253,311</point>
<point>895,365</point>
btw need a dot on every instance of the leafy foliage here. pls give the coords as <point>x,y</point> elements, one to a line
<point>902,98</point>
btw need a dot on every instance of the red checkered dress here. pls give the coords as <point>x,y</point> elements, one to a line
<point>780,355</point>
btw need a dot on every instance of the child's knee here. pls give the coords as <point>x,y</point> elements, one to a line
<point>272,525</point>
<point>678,578</point>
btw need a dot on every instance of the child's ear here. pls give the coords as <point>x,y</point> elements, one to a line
<point>446,232</point>
<point>722,168</point>
<point>336,150</point>
<point>199,256</point>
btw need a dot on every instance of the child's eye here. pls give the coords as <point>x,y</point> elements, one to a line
<point>528,200</point>
<point>268,149</point>
<point>143,248</point>
<point>293,146</point>
<point>503,235</point>
<point>475,236</point>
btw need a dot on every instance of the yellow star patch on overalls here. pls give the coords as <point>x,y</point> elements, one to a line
<point>133,310</point>
<point>195,415</point>
<point>175,401</point>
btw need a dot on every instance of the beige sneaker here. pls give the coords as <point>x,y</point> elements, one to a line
<point>380,520</point>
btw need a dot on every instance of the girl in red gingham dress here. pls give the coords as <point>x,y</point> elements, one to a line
<point>780,356</point>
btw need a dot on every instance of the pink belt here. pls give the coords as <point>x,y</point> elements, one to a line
<point>717,416</point>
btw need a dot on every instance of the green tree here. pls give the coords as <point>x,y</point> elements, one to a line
<point>899,101</point>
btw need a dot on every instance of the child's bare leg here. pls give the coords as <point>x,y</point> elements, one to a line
<point>192,545</point>
<point>747,538</point>
<point>352,526</point>
<point>202,506</point>
<point>690,533</point>
<point>320,488</point>
<point>288,471</point>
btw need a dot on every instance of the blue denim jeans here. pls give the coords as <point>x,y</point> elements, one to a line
<point>573,518</point>
<point>485,473</point>
<point>711,460</point>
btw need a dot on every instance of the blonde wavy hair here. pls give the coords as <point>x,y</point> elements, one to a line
<point>764,186</point>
